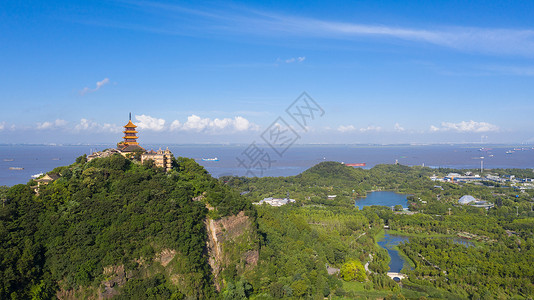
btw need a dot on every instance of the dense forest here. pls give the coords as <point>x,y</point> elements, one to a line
<point>104,224</point>
<point>115,228</point>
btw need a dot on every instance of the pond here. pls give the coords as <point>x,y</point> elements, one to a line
<point>397,262</point>
<point>388,199</point>
<point>388,242</point>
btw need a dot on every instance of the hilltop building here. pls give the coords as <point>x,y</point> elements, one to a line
<point>161,158</point>
<point>130,147</point>
<point>46,179</point>
<point>130,143</point>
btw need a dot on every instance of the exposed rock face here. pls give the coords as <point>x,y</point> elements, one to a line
<point>117,278</point>
<point>165,257</point>
<point>232,243</point>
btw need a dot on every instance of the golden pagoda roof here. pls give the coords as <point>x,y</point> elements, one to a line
<point>130,124</point>
<point>130,131</point>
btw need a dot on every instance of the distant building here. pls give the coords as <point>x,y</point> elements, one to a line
<point>130,147</point>
<point>472,201</point>
<point>467,199</point>
<point>275,201</point>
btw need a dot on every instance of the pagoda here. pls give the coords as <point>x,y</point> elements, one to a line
<point>130,148</point>
<point>130,143</point>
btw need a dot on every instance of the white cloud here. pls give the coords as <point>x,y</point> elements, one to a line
<point>465,126</point>
<point>53,124</point>
<point>150,123</point>
<point>348,128</point>
<point>242,124</point>
<point>99,84</point>
<point>86,124</point>
<point>2,125</point>
<point>398,127</point>
<point>196,123</point>
<point>175,125</point>
<point>371,128</point>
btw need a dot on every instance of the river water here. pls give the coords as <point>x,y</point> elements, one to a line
<point>388,242</point>
<point>397,262</point>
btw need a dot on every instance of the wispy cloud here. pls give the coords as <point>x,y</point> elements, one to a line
<point>253,22</point>
<point>398,128</point>
<point>293,60</point>
<point>99,84</point>
<point>89,125</point>
<point>465,126</point>
<point>371,128</point>
<point>2,125</point>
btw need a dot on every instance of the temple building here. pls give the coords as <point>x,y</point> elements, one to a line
<point>46,179</point>
<point>129,147</point>
<point>130,143</point>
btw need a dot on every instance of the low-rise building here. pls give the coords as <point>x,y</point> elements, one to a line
<point>275,201</point>
<point>161,158</point>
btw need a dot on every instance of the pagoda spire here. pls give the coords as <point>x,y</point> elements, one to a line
<point>130,137</point>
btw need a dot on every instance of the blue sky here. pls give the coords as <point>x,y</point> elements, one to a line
<point>213,72</point>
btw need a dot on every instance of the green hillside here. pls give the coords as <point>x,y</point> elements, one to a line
<point>113,227</point>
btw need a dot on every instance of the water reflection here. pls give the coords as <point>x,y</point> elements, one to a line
<point>388,242</point>
<point>388,199</point>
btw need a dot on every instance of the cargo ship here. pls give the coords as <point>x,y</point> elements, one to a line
<point>210,159</point>
<point>356,165</point>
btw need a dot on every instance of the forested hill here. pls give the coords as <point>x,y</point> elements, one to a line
<point>115,228</point>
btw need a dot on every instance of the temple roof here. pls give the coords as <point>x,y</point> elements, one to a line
<point>131,148</point>
<point>130,124</point>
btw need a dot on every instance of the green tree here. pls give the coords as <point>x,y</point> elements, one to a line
<point>353,270</point>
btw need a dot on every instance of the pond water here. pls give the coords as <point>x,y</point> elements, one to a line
<point>464,242</point>
<point>382,198</point>
<point>388,242</point>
